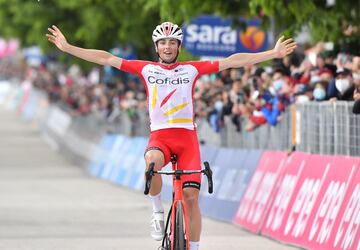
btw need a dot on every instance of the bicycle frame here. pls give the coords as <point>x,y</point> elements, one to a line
<point>178,197</point>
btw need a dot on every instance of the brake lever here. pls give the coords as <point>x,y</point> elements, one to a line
<point>148,177</point>
<point>208,173</point>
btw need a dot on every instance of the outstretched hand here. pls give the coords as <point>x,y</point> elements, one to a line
<point>284,48</point>
<point>57,37</point>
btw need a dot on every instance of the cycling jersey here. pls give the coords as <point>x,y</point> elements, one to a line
<point>170,90</point>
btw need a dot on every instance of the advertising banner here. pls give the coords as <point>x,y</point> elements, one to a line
<point>209,203</point>
<point>293,169</point>
<point>111,166</point>
<point>214,36</point>
<point>236,176</point>
<point>260,192</point>
<point>315,202</point>
<point>345,231</point>
<point>101,155</point>
<point>135,178</point>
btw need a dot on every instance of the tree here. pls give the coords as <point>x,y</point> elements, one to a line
<point>104,24</point>
<point>336,21</point>
<point>87,23</point>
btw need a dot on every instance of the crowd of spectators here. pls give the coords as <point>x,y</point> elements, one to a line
<point>259,95</point>
<point>250,96</point>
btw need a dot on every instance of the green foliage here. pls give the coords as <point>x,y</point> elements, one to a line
<point>326,23</point>
<point>102,24</point>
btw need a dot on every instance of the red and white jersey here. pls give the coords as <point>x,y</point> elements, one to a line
<point>170,90</point>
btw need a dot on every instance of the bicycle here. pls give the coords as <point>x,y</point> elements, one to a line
<point>176,235</point>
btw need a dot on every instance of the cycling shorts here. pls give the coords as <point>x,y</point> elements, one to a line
<point>184,143</point>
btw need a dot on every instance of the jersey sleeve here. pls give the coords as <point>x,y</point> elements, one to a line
<point>132,66</point>
<point>206,67</point>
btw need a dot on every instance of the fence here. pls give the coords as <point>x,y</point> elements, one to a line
<point>323,128</point>
<point>328,128</point>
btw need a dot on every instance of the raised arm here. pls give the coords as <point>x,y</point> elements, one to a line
<point>281,49</point>
<point>96,56</point>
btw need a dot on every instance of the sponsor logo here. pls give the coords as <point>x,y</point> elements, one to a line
<point>156,72</point>
<point>350,222</point>
<point>211,34</point>
<point>249,195</point>
<point>262,197</point>
<point>328,210</point>
<point>281,202</point>
<point>303,205</point>
<point>282,199</point>
<point>176,81</point>
<point>252,38</point>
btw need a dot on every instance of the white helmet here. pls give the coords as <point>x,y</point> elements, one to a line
<point>167,30</point>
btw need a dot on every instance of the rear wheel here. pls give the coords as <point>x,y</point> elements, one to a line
<point>179,234</point>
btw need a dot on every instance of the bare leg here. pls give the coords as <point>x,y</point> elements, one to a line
<point>191,197</point>
<point>157,157</point>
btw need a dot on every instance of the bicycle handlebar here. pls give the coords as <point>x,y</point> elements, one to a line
<point>150,173</point>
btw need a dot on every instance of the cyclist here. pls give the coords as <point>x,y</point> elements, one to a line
<point>169,87</point>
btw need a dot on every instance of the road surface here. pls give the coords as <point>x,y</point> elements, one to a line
<point>47,203</point>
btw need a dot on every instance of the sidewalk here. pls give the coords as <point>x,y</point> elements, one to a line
<point>46,203</point>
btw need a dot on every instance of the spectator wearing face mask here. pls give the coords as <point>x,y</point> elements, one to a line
<point>344,85</point>
<point>356,79</point>
<point>319,92</point>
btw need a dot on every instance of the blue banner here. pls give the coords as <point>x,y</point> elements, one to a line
<point>99,161</point>
<point>232,171</point>
<point>214,36</point>
<point>116,151</point>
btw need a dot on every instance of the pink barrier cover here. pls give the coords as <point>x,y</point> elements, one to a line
<point>260,192</point>
<point>293,170</point>
<point>317,190</point>
<point>346,232</point>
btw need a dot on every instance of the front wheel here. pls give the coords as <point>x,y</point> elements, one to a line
<point>179,234</point>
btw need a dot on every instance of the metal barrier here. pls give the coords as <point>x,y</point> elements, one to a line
<point>321,128</point>
<point>328,128</point>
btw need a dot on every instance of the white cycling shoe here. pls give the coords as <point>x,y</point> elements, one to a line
<point>157,226</point>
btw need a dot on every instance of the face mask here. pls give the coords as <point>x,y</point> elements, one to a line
<point>278,84</point>
<point>319,94</point>
<point>342,85</point>
<point>356,76</point>
<point>302,99</point>
<point>272,91</point>
<point>218,105</point>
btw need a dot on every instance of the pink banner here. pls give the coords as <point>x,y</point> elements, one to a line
<point>346,232</point>
<point>310,214</point>
<point>292,172</point>
<point>260,192</point>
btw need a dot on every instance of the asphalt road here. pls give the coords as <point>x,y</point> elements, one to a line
<point>47,203</point>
